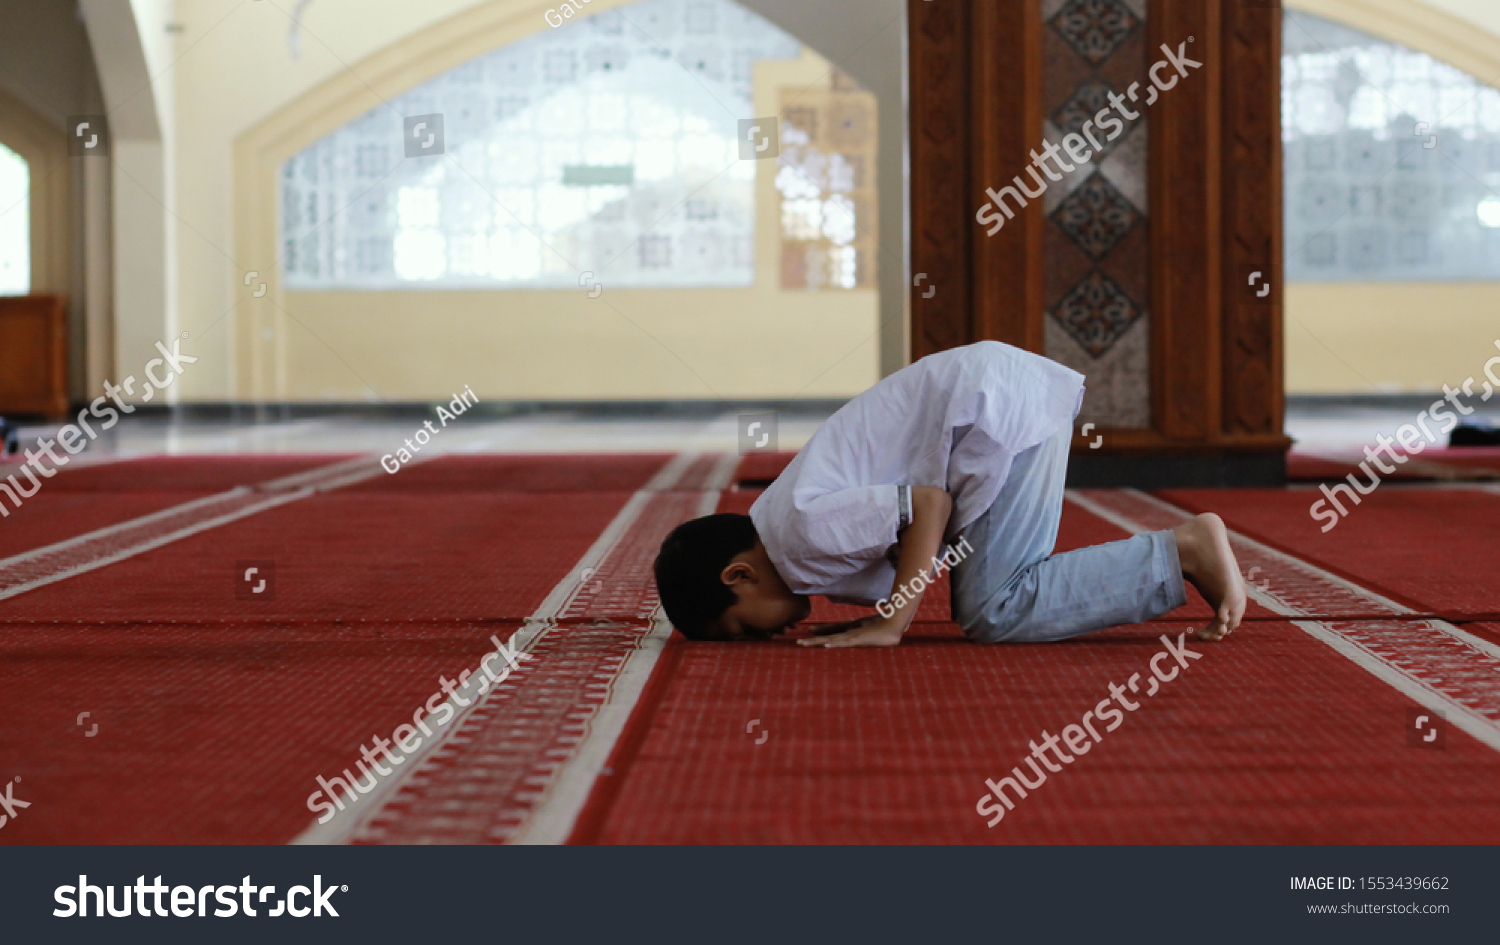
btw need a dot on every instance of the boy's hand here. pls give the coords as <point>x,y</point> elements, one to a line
<point>827,629</point>
<point>920,542</point>
<point>870,631</point>
<point>824,629</point>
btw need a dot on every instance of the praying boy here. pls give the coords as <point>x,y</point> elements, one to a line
<point>968,446</point>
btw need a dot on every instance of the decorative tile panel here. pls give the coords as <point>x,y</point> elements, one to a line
<point>1096,313</point>
<point>1097,241</point>
<point>1084,104</point>
<point>1096,216</point>
<point>1095,28</point>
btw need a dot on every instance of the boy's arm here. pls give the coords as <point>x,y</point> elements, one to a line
<point>920,542</point>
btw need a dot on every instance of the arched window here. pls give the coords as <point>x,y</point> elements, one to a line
<point>608,144</point>
<point>1392,161</point>
<point>15,223</point>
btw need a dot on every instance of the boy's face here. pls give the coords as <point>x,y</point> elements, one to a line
<point>760,616</point>
<point>764,605</point>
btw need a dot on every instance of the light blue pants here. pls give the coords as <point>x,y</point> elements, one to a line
<point>1008,589</point>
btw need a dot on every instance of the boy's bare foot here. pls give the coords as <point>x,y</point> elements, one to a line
<point>1208,562</point>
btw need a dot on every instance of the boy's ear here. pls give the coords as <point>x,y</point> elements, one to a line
<point>736,571</point>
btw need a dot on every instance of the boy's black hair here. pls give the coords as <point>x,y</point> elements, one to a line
<point>688,567</point>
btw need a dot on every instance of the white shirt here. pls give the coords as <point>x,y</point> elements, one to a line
<point>955,420</point>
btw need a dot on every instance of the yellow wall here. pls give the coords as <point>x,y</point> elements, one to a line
<point>1402,337</point>
<point>696,344</point>
<point>1364,338</point>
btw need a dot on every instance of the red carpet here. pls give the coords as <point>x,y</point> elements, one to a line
<point>1434,464</point>
<point>1431,549</point>
<point>83,498</point>
<point>216,714</point>
<point>894,746</point>
<point>1271,738</point>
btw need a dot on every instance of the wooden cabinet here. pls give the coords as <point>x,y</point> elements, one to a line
<point>33,355</point>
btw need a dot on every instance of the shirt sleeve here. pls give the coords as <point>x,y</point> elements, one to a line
<point>855,521</point>
<point>830,536</point>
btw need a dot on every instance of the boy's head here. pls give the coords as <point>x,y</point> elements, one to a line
<point>717,583</point>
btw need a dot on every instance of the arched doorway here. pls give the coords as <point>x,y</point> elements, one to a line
<point>486,273</point>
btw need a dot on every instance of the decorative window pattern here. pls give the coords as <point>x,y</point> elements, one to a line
<point>1096,248</point>
<point>609,146</point>
<point>15,223</point>
<point>1392,161</point>
<point>826,177</point>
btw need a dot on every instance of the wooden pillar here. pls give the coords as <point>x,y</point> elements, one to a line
<point>1185,255</point>
<point>976,113</point>
<point>939,107</point>
<point>1215,212</point>
<point>1254,394</point>
<point>1006,115</point>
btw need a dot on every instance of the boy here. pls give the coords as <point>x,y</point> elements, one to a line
<point>968,446</point>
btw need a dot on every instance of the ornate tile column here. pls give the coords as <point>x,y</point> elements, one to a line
<point>1098,241</point>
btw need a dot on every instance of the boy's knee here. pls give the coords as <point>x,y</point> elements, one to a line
<point>1004,616</point>
<point>1001,633</point>
<point>997,623</point>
